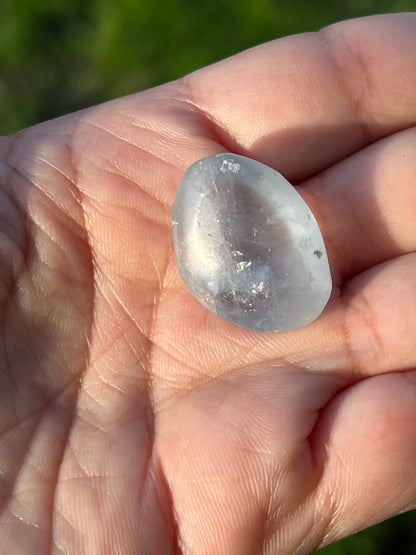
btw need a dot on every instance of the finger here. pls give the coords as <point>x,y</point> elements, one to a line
<point>366,330</point>
<point>302,102</point>
<point>365,205</point>
<point>378,318</point>
<point>369,328</point>
<point>366,444</point>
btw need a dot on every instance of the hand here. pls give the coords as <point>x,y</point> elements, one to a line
<point>135,421</point>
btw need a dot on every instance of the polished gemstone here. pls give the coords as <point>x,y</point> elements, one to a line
<point>247,245</point>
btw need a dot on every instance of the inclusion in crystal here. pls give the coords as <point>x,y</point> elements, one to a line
<point>247,245</point>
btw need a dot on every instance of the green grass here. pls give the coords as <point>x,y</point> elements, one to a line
<point>60,56</point>
<point>396,536</point>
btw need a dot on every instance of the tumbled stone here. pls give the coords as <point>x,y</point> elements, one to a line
<point>247,245</point>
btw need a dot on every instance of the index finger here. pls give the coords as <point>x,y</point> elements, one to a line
<point>304,102</point>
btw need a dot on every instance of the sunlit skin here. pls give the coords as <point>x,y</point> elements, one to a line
<point>132,420</point>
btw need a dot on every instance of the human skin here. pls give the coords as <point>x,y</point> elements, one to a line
<point>132,420</point>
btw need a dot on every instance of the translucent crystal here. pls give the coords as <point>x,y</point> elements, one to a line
<point>247,245</point>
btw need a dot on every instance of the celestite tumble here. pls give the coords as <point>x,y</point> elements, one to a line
<point>247,245</point>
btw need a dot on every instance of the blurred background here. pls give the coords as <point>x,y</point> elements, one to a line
<point>60,56</point>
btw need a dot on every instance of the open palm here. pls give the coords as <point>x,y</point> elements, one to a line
<point>132,420</point>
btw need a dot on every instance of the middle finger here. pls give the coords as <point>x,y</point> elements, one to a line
<point>365,205</point>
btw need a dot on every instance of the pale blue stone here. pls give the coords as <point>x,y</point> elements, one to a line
<point>247,245</point>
